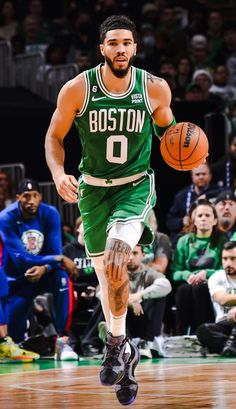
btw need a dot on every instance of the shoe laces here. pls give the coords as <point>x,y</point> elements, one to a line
<point>112,353</point>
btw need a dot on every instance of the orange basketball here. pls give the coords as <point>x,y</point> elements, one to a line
<point>184,146</point>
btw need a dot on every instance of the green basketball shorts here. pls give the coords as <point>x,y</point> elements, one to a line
<point>102,207</point>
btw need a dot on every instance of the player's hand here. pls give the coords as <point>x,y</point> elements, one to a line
<point>70,267</point>
<point>67,188</point>
<point>34,273</point>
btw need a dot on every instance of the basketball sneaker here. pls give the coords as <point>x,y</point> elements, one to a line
<point>102,331</point>
<point>115,358</point>
<point>230,347</point>
<point>127,388</point>
<point>9,352</point>
<point>63,351</point>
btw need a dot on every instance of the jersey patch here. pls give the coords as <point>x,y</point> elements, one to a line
<point>136,98</point>
<point>33,241</point>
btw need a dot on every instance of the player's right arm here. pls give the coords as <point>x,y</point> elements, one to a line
<point>69,102</point>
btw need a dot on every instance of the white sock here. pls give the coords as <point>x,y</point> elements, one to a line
<point>117,325</point>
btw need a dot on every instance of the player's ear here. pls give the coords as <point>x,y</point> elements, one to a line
<point>135,49</point>
<point>102,49</point>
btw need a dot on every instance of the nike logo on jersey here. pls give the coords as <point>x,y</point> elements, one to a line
<point>139,181</point>
<point>63,289</point>
<point>94,99</point>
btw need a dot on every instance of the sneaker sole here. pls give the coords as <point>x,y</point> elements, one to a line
<point>19,360</point>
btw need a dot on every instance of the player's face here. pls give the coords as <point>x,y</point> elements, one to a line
<point>229,261</point>
<point>29,203</point>
<point>204,219</point>
<point>119,49</point>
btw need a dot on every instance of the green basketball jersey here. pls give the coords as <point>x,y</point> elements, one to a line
<point>115,130</point>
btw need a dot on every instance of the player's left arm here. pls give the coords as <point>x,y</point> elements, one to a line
<point>160,99</point>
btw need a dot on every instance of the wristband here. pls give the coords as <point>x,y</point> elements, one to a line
<point>159,131</point>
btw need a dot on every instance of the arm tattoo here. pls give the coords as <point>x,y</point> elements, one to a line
<point>152,78</point>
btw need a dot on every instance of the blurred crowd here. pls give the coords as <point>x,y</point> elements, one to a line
<point>191,44</point>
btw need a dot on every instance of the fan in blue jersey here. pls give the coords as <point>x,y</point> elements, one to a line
<point>32,259</point>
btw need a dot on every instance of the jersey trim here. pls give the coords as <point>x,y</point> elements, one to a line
<point>110,94</point>
<point>87,95</point>
<point>145,93</point>
<point>93,254</point>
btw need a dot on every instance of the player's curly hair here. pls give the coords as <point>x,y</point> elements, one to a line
<point>117,22</point>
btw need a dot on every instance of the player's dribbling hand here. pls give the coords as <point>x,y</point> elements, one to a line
<point>67,188</point>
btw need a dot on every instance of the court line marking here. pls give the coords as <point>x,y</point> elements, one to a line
<point>26,385</point>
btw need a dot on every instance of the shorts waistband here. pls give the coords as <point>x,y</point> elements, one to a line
<point>91,180</point>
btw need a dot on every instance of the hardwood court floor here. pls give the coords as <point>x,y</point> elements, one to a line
<point>163,383</point>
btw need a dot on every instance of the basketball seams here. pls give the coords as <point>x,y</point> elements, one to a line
<point>181,138</point>
<point>180,144</point>
<point>196,163</point>
<point>194,148</point>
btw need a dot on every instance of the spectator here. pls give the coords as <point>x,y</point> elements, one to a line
<point>225,205</point>
<point>35,39</point>
<point>17,44</point>
<point>8,21</point>
<point>148,291</point>
<point>201,187</point>
<point>204,79</point>
<point>221,87</point>
<point>220,337</point>
<point>197,256</point>
<point>228,45</point>
<point>214,31</point>
<point>83,60</point>
<point>84,285</point>
<point>5,185</point>
<point>67,233</point>
<point>224,170</point>
<point>199,52</point>
<point>34,263</point>
<point>183,75</point>
<point>2,198</point>
<point>76,251</point>
<point>9,351</point>
<point>193,92</point>
<point>54,56</point>
<point>158,254</point>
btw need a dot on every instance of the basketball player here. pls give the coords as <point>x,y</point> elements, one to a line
<point>114,107</point>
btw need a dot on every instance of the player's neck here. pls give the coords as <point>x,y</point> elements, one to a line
<point>114,84</point>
